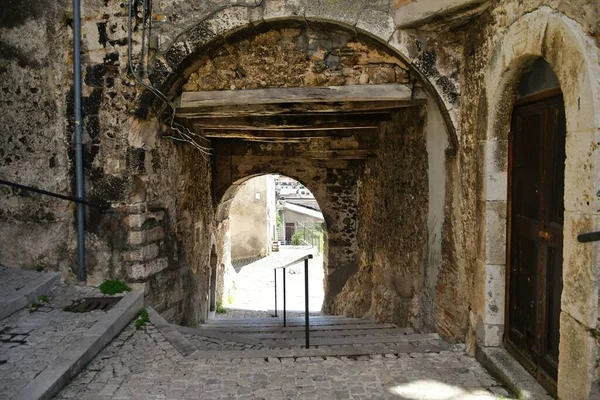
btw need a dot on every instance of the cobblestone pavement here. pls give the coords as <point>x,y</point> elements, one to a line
<point>14,279</point>
<point>31,338</point>
<point>142,364</point>
<point>254,284</point>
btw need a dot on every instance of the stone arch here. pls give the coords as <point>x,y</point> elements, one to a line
<point>225,200</point>
<point>239,20</point>
<point>573,56</point>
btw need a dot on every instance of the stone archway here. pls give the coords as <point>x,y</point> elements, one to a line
<point>574,59</point>
<point>204,34</point>
<point>400,293</point>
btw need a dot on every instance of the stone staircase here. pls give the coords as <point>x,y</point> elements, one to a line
<point>329,336</point>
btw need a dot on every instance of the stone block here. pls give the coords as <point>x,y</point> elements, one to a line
<point>496,166</point>
<point>582,172</point>
<point>90,37</point>
<point>495,284</point>
<point>229,20</point>
<point>344,11</point>
<point>278,9</point>
<point>142,254</point>
<point>492,335</point>
<point>577,362</point>
<point>417,13</point>
<point>581,264</point>
<point>377,23</point>
<point>495,235</point>
<point>573,56</point>
<point>144,270</point>
<point>404,44</point>
<point>146,236</point>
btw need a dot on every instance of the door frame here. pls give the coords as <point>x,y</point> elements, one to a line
<point>535,35</point>
<point>534,369</point>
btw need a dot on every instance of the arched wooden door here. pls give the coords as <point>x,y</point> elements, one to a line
<point>536,215</point>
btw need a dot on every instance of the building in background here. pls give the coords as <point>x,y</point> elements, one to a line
<point>253,218</point>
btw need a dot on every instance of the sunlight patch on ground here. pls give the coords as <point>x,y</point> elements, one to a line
<point>434,390</point>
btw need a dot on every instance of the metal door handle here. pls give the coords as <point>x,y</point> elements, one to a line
<point>545,235</point>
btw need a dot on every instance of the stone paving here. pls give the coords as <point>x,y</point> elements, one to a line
<point>254,283</point>
<point>33,337</point>
<point>15,279</point>
<point>142,364</point>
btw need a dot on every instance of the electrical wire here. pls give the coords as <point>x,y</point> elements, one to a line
<point>185,136</point>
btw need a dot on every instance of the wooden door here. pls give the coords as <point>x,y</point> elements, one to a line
<point>536,209</point>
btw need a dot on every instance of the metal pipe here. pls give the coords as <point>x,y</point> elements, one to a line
<point>79,183</point>
<point>306,320</point>
<point>275,274</point>
<point>284,309</point>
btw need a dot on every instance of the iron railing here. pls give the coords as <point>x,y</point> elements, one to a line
<point>103,206</point>
<point>306,319</point>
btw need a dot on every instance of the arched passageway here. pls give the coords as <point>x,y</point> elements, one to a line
<point>349,121</point>
<point>271,221</point>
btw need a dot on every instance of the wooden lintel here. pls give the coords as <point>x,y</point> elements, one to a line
<point>308,94</point>
<point>296,108</point>
<point>287,134</point>
<point>294,121</point>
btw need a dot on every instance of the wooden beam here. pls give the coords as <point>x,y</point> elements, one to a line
<point>290,121</point>
<point>308,94</point>
<point>227,110</point>
<point>287,133</point>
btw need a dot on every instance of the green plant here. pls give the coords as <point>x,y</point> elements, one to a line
<point>39,267</point>
<point>220,309</point>
<point>230,298</point>
<point>142,319</point>
<point>114,286</point>
<point>43,298</point>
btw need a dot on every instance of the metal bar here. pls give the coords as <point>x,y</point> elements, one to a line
<point>589,237</point>
<point>306,320</point>
<point>284,305</point>
<point>79,180</point>
<point>275,274</point>
<point>296,261</point>
<point>52,194</point>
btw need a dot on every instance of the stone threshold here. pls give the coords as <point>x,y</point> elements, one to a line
<point>25,296</point>
<point>67,365</point>
<point>510,373</point>
<point>170,332</point>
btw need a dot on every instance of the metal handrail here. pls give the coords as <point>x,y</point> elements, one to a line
<point>306,257</point>
<point>52,194</point>
<point>306,319</point>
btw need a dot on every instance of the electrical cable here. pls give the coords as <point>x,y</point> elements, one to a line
<point>185,136</point>
<point>158,93</point>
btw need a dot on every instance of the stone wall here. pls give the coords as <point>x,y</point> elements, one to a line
<point>34,96</point>
<point>249,222</point>
<point>392,225</point>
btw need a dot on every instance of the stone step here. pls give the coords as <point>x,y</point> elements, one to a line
<point>313,328</point>
<point>351,340</point>
<point>323,351</point>
<point>328,333</point>
<point>274,322</point>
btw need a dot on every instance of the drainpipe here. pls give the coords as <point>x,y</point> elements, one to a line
<point>78,139</point>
